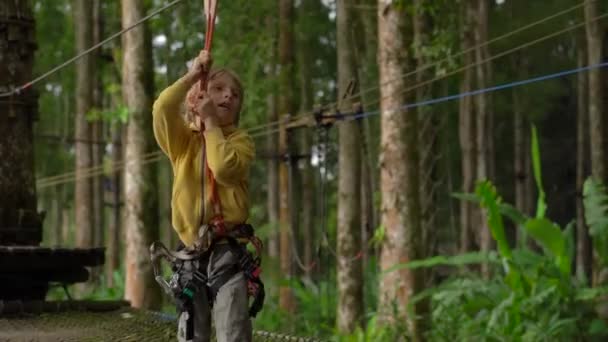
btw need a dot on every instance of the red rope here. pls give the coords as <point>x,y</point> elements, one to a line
<point>210,7</point>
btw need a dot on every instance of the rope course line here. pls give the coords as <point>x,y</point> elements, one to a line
<point>23,87</point>
<point>472,65</point>
<point>434,64</point>
<point>437,63</point>
<point>481,91</point>
<point>499,55</point>
<point>43,181</point>
<point>154,156</point>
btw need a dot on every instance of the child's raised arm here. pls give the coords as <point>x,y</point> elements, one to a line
<point>170,129</point>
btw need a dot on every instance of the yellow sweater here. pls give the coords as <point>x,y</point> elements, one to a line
<point>230,152</point>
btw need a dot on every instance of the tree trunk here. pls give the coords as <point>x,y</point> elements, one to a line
<point>482,129</point>
<point>467,129</point>
<point>286,106</point>
<point>428,132</point>
<point>596,119</point>
<point>272,163</point>
<point>398,174</point>
<point>520,170</point>
<point>83,206</point>
<point>368,77</point>
<point>583,241</point>
<point>141,198</point>
<point>349,268</point>
<point>97,147</point>
<point>305,62</point>
<point>113,240</point>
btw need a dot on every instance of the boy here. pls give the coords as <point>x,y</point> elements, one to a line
<point>228,152</point>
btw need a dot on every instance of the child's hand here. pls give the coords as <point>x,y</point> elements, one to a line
<point>204,58</point>
<point>205,106</point>
<point>202,63</point>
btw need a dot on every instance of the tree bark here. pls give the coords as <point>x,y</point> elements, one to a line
<point>398,174</point>
<point>271,145</point>
<point>428,132</point>
<point>467,128</point>
<point>305,62</point>
<point>583,240</point>
<point>520,170</point>
<point>596,117</point>
<point>286,106</point>
<point>113,240</point>
<point>141,198</point>
<point>482,128</point>
<point>83,197</point>
<point>349,267</point>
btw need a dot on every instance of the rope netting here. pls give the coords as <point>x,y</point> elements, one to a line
<point>120,325</point>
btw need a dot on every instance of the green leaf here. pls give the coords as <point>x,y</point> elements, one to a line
<point>489,200</point>
<point>506,209</point>
<point>378,237</point>
<point>598,327</point>
<point>454,260</point>
<point>595,200</point>
<point>550,236</point>
<point>541,206</point>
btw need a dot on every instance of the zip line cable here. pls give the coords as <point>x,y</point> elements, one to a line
<point>491,58</point>
<point>509,85</point>
<point>19,89</point>
<point>99,170</point>
<point>43,181</point>
<point>448,58</point>
<point>471,49</point>
<point>23,87</point>
<point>154,156</point>
<point>454,72</point>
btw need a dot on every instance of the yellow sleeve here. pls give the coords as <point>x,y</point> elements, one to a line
<point>170,130</point>
<point>229,159</point>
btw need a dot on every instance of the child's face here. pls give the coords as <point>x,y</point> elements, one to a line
<point>226,95</point>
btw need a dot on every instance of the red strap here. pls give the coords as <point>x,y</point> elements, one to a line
<point>210,7</point>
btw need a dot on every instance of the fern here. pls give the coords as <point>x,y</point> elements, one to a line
<point>596,215</point>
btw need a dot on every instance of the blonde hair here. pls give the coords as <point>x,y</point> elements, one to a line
<point>189,116</point>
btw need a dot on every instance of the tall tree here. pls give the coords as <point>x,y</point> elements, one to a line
<point>596,115</point>
<point>398,172</point>
<point>483,135</point>
<point>349,268</point>
<point>466,127</point>
<point>97,146</point>
<point>306,38</point>
<point>19,220</point>
<point>271,144</point>
<point>83,17</point>
<point>583,241</point>
<point>595,102</point>
<point>141,198</point>
<point>285,106</point>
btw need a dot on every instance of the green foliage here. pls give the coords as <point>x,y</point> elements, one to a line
<point>596,215</point>
<point>534,297</point>
<point>541,206</point>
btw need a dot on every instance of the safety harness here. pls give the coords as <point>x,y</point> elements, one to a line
<point>189,268</point>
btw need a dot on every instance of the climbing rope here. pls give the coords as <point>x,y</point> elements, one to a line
<point>154,156</point>
<point>264,130</point>
<point>473,48</point>
<point>27,85</point>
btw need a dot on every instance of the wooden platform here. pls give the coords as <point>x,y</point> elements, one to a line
<point>25,271</point>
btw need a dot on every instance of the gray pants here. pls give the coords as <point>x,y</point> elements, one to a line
<point>231,306</point>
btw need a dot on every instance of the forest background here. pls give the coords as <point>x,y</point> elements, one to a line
<point>345,208</point>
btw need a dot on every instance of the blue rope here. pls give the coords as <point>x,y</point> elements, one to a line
<point>486,90</point>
